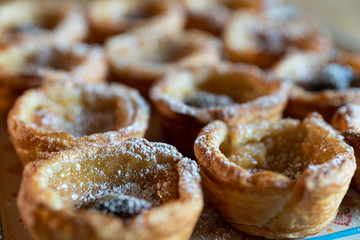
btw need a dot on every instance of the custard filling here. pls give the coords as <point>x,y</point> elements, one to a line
<point>78,116</point>
<point>124,188</point>
<point>285,149</point>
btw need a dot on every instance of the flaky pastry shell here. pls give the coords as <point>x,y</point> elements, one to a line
<point>54,118</point>
<point>277,180</point>
<point>53,192</point>
<point>42,20</point>
<point>111,17</point>
<point>30,64</point>
<point>325,102</point>
<point>158,54</point>
<point>347,120</point>
<point>248,92</point>
<point>269,38</point>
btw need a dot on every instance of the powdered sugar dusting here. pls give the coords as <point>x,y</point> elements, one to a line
<point>78,121</point>
<point>288,147</point>
<point>91,108</point>
<point>211,226</point>
<point>149,172</point>
<point>347,117</point>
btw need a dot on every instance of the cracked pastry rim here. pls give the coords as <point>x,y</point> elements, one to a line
<point>70,28</point>
<point>196,49</point>
<point>48,212</point>
<point>302,101</point>
<point>248,48</point>
<point>103,24</point>
<point>88,65</point>
<point>304,206</point>
<point>182,123</point>
<point>31,141</point>
<point>346,119</point>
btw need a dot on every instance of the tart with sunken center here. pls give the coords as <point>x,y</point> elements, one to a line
<point>41,20</point>
<point>111,17</point>
<point>131,190</point>
<point>139,60</point>
<point>347,120</point>
<point>277,180</point>
<point>30,64</point>
<point>268,38</point>
<point>187,100</point>
<point>329,85</point>
<point>212,15</point>
<point>57,117</point>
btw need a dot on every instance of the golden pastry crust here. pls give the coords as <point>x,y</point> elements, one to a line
<point>270,37</point>
<point>347,120</point>
<point>30,64</point>
<point>226,91</point>
<point>45,21</point>
<point>54,118</point>
<point>49,199</point>
<point>158,54</point>
<point>111,17</point>
<point>303,101</point>
<point>246,171</point>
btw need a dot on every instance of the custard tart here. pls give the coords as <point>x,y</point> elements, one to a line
<point>30,64</point>
<point>57,117</point>
<point>269,37</point>
<point>277,180</point>
<point>333,83</point>
<point>140,60</point>
<point>131,190</point>
<point>41,20</point>
<point>347,120</point>
<point>212,15</point>
<point>187,100</point>
<point>111,17</point>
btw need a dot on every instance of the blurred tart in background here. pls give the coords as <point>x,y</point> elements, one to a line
<point>58,117</point>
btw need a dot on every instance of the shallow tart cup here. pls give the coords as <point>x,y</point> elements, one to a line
<point>42,20</point>
<point>347,120</point>
<point>187,100</point>
<point>57,117</point>
<point>132,190</point>
<point>328,85</point>
<point>269,38</point>
<point>111,17</point>
<point>277,180</point>
<point>30,64</point>
<point>158,54</point>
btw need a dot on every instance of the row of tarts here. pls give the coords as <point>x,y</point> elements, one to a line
<point>90,175</point>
